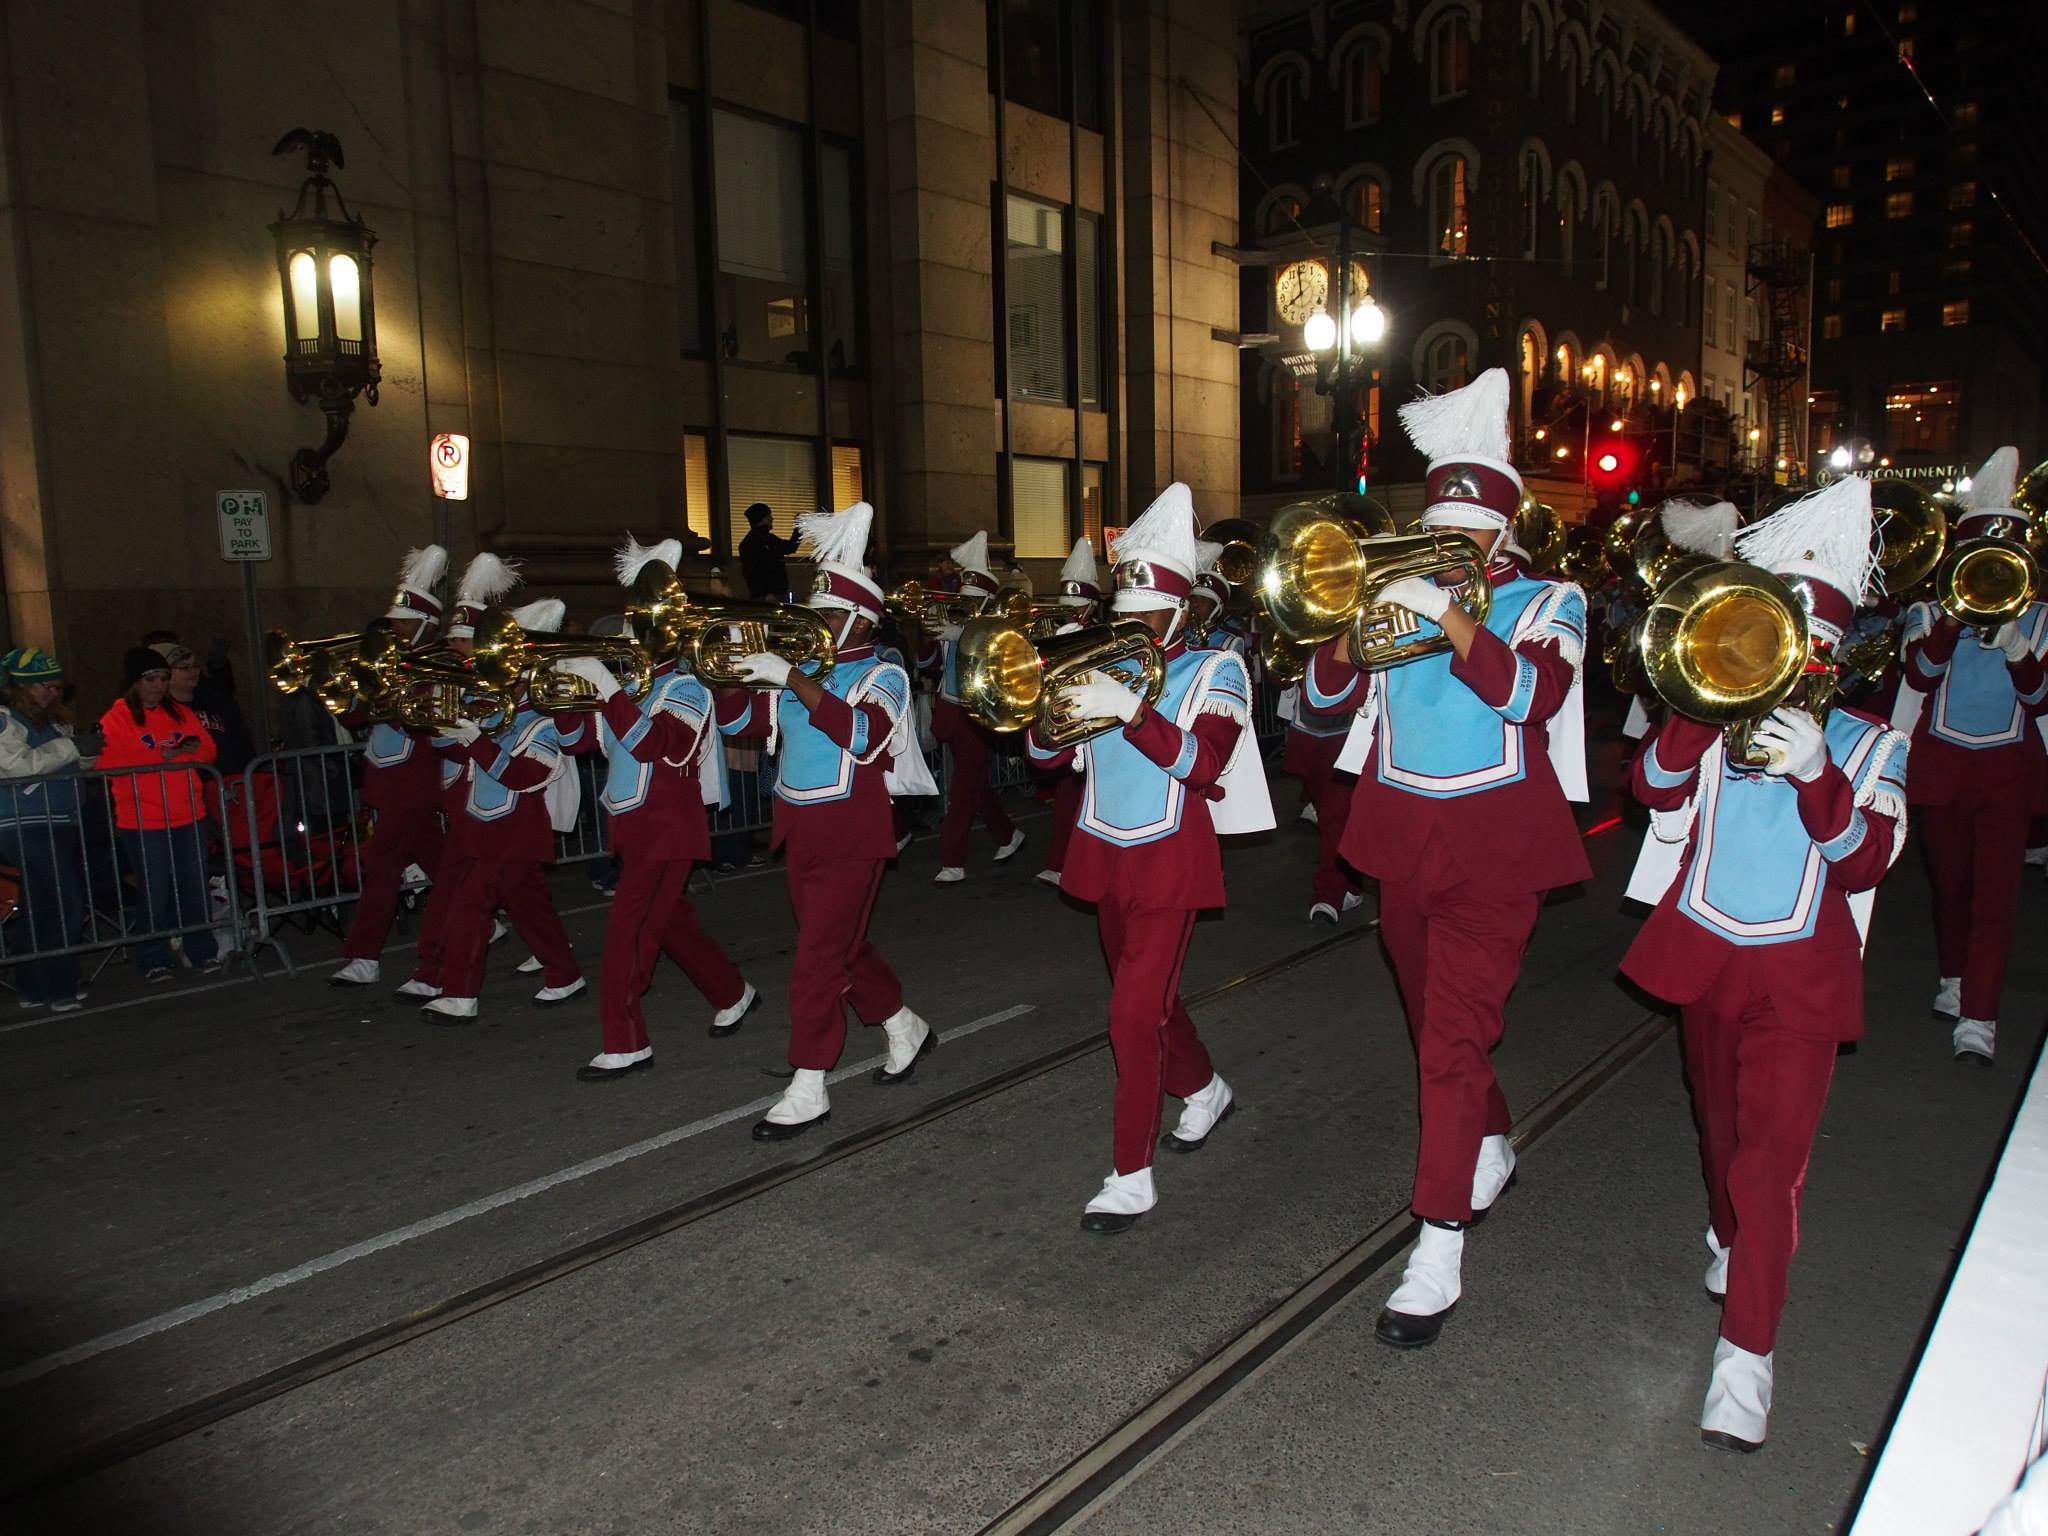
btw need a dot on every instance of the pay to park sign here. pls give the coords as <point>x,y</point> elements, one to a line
<point>244,525</point>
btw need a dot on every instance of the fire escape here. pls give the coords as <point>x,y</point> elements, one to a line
<point>1779,279</point>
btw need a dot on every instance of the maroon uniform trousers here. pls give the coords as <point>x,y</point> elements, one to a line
<point>660,841</point>
<point>1976,813</point>
<point>1146,896</point>
<point>405,799</point>
<point>1461,881</point>
<point>1760,1025</point>
<point>1066,810</point>
<point>969,793</point>
<point>1312,758</point>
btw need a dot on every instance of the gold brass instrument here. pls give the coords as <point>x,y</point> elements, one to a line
<point>1541,533</point>
<point>718,633</point>
<point>507,659</point>
<point>1038,616</point>
<point>1009,680</point>
<point>1285,661</point>
<point>1620,544</point>
<point>1317,577</point>
<point>322,665</point>
<point>1725,644</point>
<point>1985,581</point>
<point>660,610</point>
<point>2031,497</point>
<point>1910,532</point>
<point>1239,537</point>
<point>434,691</point>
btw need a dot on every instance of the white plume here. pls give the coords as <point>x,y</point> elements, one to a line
<point>633,556</point>
<point>1704,528</point>
<point>1825,535</point>
<point>422,569</point>
<point>486,579</point>
<point>1462,422</point>
<point>1207,554</point>
<point>541,618</point>
<point>838,538</point>
<point>1080,564</point>
<point>1991,488</point>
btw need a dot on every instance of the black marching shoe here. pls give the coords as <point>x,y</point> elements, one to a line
<point>1428,1293</point>
<point>728,1020</point>
<point>803,1104</point>
<point>602,1069</point>
<point>1405,1330</point>
<point>902,1028</point>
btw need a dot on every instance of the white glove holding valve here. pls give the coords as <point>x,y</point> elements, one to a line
<point>2012,640</point>
<point>1795,744</point>
<point>1919,623</point>
<point>1419,596</point>
<point>1100,698</point>
<point>464,731</point>
<point>592,671</point>
<point>765,668</point>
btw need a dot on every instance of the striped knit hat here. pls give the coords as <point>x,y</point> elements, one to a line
<point>31,664</point>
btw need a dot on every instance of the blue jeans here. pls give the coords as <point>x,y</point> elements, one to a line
<point>52,907</point>
<point>169,867</point>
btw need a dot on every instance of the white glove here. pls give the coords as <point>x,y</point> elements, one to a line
<point>1100,698</point>
<point>766,668</point>
<point>2010,639</point>
<point>464,731</point>
<point>1919,624</point>
<point>1794,744</point>
<point>592,671</point>
<point>1419,596</point>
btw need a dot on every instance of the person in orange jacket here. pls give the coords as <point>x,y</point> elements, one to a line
<point>160,812</point>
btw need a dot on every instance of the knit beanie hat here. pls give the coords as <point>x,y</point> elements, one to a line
<point>139,660</point>
<point>31,664</point>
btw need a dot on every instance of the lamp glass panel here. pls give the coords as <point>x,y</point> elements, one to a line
<point>305,278</point>
<point>345,282</point>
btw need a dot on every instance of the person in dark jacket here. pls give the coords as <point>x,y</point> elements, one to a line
<point>214,705</point>
<point>762,552</point>
<point>39,826</point>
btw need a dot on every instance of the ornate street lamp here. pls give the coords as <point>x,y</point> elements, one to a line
<point>330,318</point>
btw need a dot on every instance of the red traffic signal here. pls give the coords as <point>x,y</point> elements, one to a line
<point>1614,465</point>
<point>1608,463</point>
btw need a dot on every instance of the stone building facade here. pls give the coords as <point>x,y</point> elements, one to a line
<point>657,258</point>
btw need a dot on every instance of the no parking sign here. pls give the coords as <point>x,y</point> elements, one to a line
<point>448,462</point>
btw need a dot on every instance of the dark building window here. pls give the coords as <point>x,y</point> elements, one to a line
<point>1450,57</point>
<point>1052,60</point>
<point>839,248</point>
<point>682,165</point>
<point>763,276</point>
<point>1035,289</point>
<point>1088,280</point>
<point>1362,84</point>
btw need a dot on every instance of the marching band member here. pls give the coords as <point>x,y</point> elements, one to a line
<point>972,795</point>
<point>1209,614</point>
<point>846,744</point>
<point>520,791</point>
<point>1461,816</point>
<point>1978,771</point>
<point>401,785</point>
<point>1080,594</point>
<point>1699,528</point>
<point>664,766</point>
<point>1755,937</point>
<point>1158,790</point>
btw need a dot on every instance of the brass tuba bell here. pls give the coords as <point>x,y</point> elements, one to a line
<point>1009,680</point>
<point>1541,533</point>
<point>1239,537</point>
<point>720,632</point>
<point>1987,580</point>
<point>1725,644</point>
<point>1910,532</point>
<point>1317,577</point>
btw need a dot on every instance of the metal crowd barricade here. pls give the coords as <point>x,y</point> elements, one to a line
<point>298,852</point>
<point>86,884</point>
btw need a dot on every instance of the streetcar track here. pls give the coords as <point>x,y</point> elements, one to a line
<point>200,1414</point>
<point>1092,1479</point>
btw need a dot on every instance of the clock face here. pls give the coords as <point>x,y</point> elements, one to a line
<point>1300,290</point>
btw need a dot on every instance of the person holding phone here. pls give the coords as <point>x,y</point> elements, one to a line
<point>160,812</point>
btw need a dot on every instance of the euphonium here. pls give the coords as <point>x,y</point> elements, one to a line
<point>1318,577</point>
<point>1285,661</point>
<point>1239,537</point>
<point>431,692</point>
<point>1009,681</point>
<point>1910,532</point>
<point>660,610</point>
<point>718,633</point>
<point>321,665</point>
<point>1541,533</point>
<point>506,659</point>
<point>1985,581</point>
<point>1725,644</point>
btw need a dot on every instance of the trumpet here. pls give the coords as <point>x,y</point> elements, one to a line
<point>506,660</point>
<point>1725,644</point>
<point>1317,577</point>
<point>717,633</point>
<point>1009,680</point>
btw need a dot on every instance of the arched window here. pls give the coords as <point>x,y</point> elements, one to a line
<point>1594,374</point>
<point>1450,56</point>
<point>1605,216</point>
<point>1629,256</point>
<point>1532,202</point>
<point>1624,389</point>
<point>1367,199</point>
<point>1281,211</point>
<point>1363,74</point>
<point>1530,372</point>
<point>1567,225</point>
<point>1449,364</point>
<point>1449,227</point>
<point>1660,257</point>
<point>1281,88</point>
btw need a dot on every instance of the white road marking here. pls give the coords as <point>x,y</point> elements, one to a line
<point>177,1316</point>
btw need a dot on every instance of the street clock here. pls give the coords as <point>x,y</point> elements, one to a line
<point>1300,289</point>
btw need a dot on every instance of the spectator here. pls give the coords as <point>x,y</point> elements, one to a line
<point>39,825</point>
<point>215,707</point>
<point>761,554</point>
<point>216,666</point>
<point>160,811</point>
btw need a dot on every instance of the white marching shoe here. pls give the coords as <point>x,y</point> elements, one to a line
<point>450,1010</point>
<point>2038,857</point>
<point>606,1065</point>
<point>1049,877</point>
<point>419,989</point>
<point>498,929</point>
<point>1016,841</point>
<point>1948,998</point>
<point>1738,1408</point>
<point>909,1038</point>
<point>803,1104</point>
<point>1353,901</point>
<point>529,966</point>
<point>1123,1198</point>
<point>1430,1287</point>
<point>1493,1176</point>
<point>950,875</point>
<point>357,973</point>
<point>548,997</point>
<point>1974,1040</point>
<point>726,1020</point>
<point>1717,1267</point>
<point>1200,1113</point>
<point>1308,815</point>
<point>1322,912</point>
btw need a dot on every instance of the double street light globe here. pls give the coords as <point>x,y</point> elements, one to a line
<point>1368,326</point>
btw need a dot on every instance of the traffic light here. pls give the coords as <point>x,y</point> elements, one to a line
<point>1608,463</point>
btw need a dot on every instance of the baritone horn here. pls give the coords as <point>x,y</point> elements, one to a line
<point>1910,532</point>
<point>507,658</point>
<point>1986,581</point>
<point>718,633</point>
<point>1010,681</point>
<point>1317,577</point>
<point>435,691</point>
<point>323,666</point>
<point>1725,643</point>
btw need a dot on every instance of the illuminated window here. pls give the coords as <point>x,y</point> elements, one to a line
<point>1848,24</point>
<point>1367,204</point>
<point>1962,232</point>
<point>1777,116</point>
<point>1908,14</point>
<point>1834,289</point>
<point>848,481</point>
<point>1447,207</point>
<point>1840,214</point>
<point>1898,168</point>
<point>1892,320</point>
<point>1831,327</point>
<point>1956,313</point>
<point>1898,205</point>
<point>1925,419</point>
<point>1905,48</point>
<point>1963,195</point>
<point>1735,121</point>
<point>1040,507</point>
